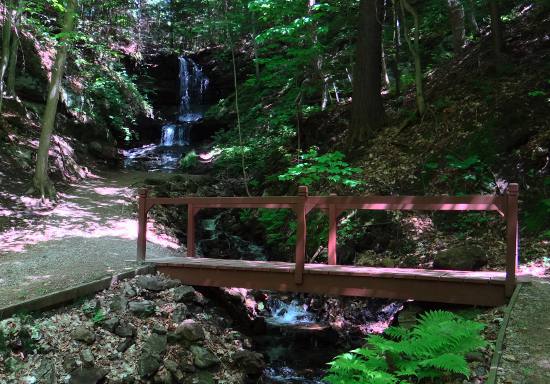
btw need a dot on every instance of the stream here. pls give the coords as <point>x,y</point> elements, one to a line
<point>298,341</point>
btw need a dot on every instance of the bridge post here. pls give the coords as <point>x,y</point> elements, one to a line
<point>301,231</point>
<point>142,224</point>
<point>191,212</point>
<point>332,233</point>
<point>512,237</point>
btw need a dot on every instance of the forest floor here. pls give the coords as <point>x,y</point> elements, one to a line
<point>90,234</point>
<point>525,358</point>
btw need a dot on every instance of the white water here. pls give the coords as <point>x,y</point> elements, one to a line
<point>289,313</point>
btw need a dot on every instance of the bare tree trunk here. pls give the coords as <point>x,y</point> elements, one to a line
<point>471,18</point>
<point>414,47</point>
<point>456,17</point>
<point>255,47</point>
<point>397,47</point>
<point>368,114</point>
<point>496,27</point>
<point>12,67</point>
<point>41,182</point>
<point>318,61</point>
<point>6,37</point>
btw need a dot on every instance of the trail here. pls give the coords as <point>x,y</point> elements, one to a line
<point>90,234</point>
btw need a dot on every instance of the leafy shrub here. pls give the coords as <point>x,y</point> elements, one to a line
<point>434,348</point>
<point>320,170</point>
<point>190,160</point>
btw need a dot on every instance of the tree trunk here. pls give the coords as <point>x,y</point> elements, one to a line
<point>12,67</point>
<point>456,17</point>
<point>414,47</point>
<point>255,47</point>
<point>367,114</point>
<point>6,37</point>
<point>471,18</point>
<point>318,60</point>
<point>397,47</point>
<point>41,182</point>
<point>496,27</point>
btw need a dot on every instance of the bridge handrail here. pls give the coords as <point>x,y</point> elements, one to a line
<point>506,205</point>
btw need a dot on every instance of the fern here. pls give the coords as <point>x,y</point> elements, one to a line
<point>434,348</point>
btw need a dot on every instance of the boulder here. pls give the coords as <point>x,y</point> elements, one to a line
<point>125,330</point>
<point>252,362</point>
<point>462,258</point>
<point>190,330</point>
<point>86,375</point>
<point>148,365</point>
<point>156,283</point>
<point>87,358</point>
<point>123,347</point>
<point>180,313</point>
<point>83,335</point>
<point>142,308</point>
<point>118,304</point>
<point>203,358</point>
<point>111,323</point>
<point>155,344</point>
<point>184,293</point>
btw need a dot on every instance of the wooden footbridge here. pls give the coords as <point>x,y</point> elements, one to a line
<point>460,287</point>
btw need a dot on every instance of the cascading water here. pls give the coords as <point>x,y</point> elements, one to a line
<point>193,85</point>
<point>175,136</point>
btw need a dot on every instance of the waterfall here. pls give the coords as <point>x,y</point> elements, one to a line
<point>289,313</point>
<point>193,84</point>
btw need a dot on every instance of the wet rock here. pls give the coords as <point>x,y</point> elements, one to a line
<point>252,362</point>
<point>123,347</point>
<point>462,258</point>
<point>142,308</point>
<point>180,313</point>
<point>156,283</point>
<point>86,375</point>
<point>125,330</point>
<point>203,358</point>
<point>110,324</point>
<point>46,373</point>
<point>83,335</point>
<point>190,330</point>
<point>184,293</point>
<point>87,358</point>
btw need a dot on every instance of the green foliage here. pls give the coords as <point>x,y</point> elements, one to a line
<point>434,349</point>
<point>318,171</point>
<point>99,316</point>
<point>190,160</point>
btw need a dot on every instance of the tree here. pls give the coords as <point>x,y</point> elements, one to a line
<point>414,48</point>
<point>12,67</point>
<point>367,109</point>
<point>456,17</point>
<point>41,182</point>
<point>496,27</point>
<point>6,38</point>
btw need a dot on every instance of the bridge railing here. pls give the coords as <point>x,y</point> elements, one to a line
<point>506,205</point>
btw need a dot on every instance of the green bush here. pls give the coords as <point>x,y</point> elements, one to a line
<point>190,160</point>
<point>434,348</point>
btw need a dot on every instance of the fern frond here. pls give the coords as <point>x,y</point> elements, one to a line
<point>450,362</point>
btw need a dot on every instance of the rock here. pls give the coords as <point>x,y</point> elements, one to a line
<point>148,365</point>
<point>46,373</point>
<point>155,283</point>
<point>155,344</point>
<point>190,330</point>
<point>203,358</point>
<point>163,376</point>
<point>84,335</point>
<point>69,363</point>
<point>85,375</point>
<point>475,356</point>
<point>184,293</point>
<point>142,308</point>
<point>118,304</point>
<point>172,367</point>
<point>110,324</point>
<point>87,358</point>
<point>252,362</point>
<point>462,258</point>
<point>203,377</point>
<point>123,347</point>
<point>180,313</point>
<point>129,290</point>
<point>125,330</point>
<point>159,329</point>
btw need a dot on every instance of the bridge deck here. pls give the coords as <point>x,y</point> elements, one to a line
<point>474,288</point>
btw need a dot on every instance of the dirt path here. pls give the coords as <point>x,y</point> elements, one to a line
<point>89,235</point>
<point>526,357</point>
